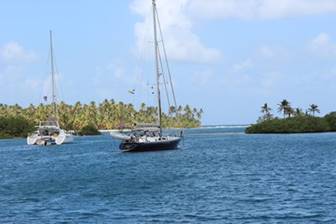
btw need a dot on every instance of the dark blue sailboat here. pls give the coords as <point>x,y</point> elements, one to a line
<point>150,137</point>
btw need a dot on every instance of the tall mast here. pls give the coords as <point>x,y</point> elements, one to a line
<point>53,92</point>
<point>156,49</point>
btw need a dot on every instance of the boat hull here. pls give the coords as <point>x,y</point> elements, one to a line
<point>62,138</point>
<point>40,140</point>
<point>149,146</point>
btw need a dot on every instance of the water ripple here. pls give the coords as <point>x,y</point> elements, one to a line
<point>218,176</point>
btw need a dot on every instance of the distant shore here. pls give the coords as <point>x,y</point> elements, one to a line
<point>295,120</point>
<point>87,119</point>
<point>300,124</point>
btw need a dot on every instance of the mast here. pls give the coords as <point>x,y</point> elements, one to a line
<point>53,92</point>
<point>157,66</point>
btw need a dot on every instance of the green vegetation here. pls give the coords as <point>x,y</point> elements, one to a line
<point>291,125</point>
<point>294,120</point>
<point>89,129</point>
<point>14,127</point>
<point>18,121</point>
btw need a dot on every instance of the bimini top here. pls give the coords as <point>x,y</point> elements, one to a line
<point>51,122</point>
<point>147,127</point>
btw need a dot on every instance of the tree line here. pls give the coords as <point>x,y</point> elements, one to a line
<point>286,109</point>
<point>294,120</point>
<point>108,114</point>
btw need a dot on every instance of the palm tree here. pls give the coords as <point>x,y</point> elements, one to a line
<point>266,110</point>
<point>199,114</point>
<point>290,111</point>
<point>298,112</point>
<point>106,115</point>
<point>171,110</point>
<point>313,109</point>
<point>285,108</point>
<point>188,111</point>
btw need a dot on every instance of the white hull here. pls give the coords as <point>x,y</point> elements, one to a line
<point>60,139</point>
<point>38,140</point>
<point>64,138</point>
<point>119,135</point>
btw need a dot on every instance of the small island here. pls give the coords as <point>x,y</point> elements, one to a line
<point>294,120</point>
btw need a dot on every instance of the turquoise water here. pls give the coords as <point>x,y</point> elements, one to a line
<point>218,176</point>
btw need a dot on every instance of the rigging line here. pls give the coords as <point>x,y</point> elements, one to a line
<point>44,91</point>
<point>59,91</point>
<point>58,88</point>
<point>164,79</point>
<point>167,64</point>
<point>141,84</point>
<point>166,59</point>
<point>53,103</point>
<point>52,61</point>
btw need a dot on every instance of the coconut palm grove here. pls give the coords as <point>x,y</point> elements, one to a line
<point>17,121</point>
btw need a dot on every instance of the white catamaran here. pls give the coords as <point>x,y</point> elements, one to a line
<point>146,137</point>
<point>49,132</point>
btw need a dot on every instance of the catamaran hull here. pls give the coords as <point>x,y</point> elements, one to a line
<point>63,138</point>
<point>40,140</point>
<point>148,146</point>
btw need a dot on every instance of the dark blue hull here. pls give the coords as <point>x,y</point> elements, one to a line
<point>149,146</point>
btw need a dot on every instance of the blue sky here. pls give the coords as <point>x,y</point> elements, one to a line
<point>227,56</point>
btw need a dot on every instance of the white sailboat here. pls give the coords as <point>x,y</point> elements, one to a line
<point>147,137</point>
<point>49,132</point>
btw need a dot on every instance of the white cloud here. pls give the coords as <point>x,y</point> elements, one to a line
<point>13,52</point>
<point>45,84</point>
<point>244,65</point>
<point>202,78</point>
<point>259,9</point>
<point>322,44</point>
<point>116,80</point>
<point>266,52</point>
<point>33,83</point>
<point>181,42</point>
<point>13,57</point>
<point>116,69</point>
<point>178,18</point>
<point>263,57</point>
<point>17,83</point>
<point>321,40</point>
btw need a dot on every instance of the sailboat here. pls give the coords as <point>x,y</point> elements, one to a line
<point>49,132</point>
<point>149,137</point>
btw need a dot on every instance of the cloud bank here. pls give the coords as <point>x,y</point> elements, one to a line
<point>15,79</point>
<point>259,9</point>
<point>323,45</point>
<point>13,52</point>
<point>179,16</point>
<point>181,42</point>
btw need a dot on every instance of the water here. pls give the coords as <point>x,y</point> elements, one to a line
<point>219,176</point>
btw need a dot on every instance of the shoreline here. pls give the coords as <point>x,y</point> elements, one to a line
<point>294,125</point>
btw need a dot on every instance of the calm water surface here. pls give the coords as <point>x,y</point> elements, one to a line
<point>218,176</point>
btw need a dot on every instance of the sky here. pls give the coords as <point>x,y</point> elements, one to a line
<point>227,57</point>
